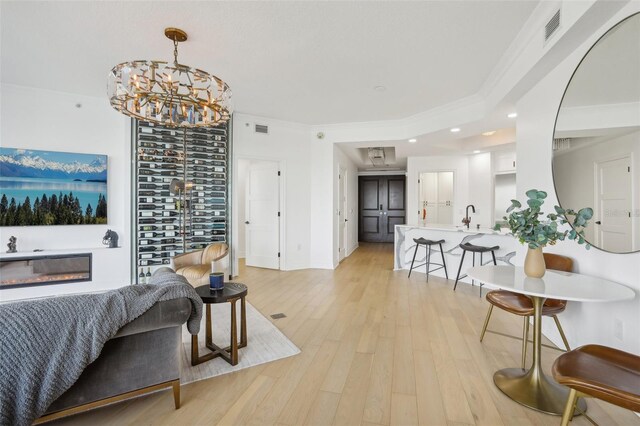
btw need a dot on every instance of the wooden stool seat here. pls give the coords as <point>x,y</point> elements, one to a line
<point>600,372</point>
<point>521,305</point>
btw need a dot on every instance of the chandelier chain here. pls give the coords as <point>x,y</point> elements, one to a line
<point>175,51</point>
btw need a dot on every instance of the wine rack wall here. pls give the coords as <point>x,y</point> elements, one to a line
<point>180,192</point>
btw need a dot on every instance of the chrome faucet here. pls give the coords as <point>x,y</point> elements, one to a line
<point>467,219</point>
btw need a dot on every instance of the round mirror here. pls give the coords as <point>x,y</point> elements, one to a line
<point>596,145</point>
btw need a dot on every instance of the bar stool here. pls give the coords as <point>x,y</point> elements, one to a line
<point>474,249</point>
<point>427,245</point>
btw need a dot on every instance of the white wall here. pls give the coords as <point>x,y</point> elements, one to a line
<point>47,120</point>
<point>583,322</point>
<point>241,188</point>
<point>481,188</point>
<point>340,160</point>
<point>459,165</point>
<point>505,191</point>
<point>289,144</point>
<point>575,175</point>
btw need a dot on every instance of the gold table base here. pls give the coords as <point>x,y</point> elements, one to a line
<point>535,391</point>
<point>532,388</point>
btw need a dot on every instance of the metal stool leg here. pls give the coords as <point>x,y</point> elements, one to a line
<point>473,263</point>
<point>481,283</point>
<point>459,269</point>
<point>493,254</point>
<point>428,261</point>
<point>444,264</point>
<point>413,260</point>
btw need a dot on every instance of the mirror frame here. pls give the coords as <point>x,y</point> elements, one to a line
<point>553,173</point>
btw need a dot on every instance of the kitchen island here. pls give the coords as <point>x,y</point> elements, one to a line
<point>453,236</point>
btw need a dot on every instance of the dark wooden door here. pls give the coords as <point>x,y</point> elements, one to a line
<point>381,207</point>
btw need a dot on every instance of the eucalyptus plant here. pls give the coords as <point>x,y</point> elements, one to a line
<point>532,228</point>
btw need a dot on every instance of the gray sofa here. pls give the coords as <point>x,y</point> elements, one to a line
<point>143,357</point>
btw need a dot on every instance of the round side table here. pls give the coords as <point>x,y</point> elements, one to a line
<point>232,292</point>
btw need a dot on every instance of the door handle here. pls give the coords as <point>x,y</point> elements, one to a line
<point>598,222</point>
<point>384,213</point>
<point>246,222</point>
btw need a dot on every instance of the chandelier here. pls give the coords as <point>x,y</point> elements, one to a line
<point>169,94</point>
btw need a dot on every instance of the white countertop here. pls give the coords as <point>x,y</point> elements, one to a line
<point>554,284</point>
<point>457,228</point>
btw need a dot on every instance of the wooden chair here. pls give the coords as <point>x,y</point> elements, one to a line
<point>599,372</point>
<point>195,266</point>
<point>521,305</point>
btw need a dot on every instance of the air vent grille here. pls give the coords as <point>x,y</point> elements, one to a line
<point>552,25</point>
<point>262,128</point>
<point>561,144</point>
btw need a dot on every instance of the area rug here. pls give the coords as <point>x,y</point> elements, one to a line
<point>265,344</point>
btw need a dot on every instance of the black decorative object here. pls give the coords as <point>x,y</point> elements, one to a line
<point>12,244</point>
<point>110,239</point>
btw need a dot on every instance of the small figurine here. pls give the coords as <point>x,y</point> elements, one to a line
<point>110,239</point>
<point>12,245</point>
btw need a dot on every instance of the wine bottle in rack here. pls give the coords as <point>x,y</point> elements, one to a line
<point>148,275</point>
<point>141,277</point>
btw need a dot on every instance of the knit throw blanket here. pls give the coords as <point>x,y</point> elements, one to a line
<point>45,344</point>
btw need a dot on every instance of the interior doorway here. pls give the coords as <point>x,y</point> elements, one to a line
<point>343,221</point>
<point>259,212</point>
<point>381,207</point>
<point>613,193</point>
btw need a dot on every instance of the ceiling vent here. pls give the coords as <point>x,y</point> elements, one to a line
<point>552,26</point>
<point>561,144</point>
<point>377,157</point>
<point>262,128</point>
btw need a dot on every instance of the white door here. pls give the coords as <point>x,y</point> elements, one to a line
<point>342,214</point>
<point>613,201</point>
<point>262,215</point>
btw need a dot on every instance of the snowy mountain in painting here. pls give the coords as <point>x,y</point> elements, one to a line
<point>34,164</point>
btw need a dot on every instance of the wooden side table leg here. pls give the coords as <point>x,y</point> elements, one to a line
<point>234,333</point>
<point>208,320</point>
<point>243,323</point>
<point>194,350</point>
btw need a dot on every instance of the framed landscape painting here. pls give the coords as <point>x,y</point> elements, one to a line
<point>52,188</point>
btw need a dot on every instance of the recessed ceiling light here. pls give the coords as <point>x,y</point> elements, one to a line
<point>455,129</point>
<point>493,132</point>
<point>379,88</point>
<point>413,140</point>
<point>512,115</point>
<point>477,151</point>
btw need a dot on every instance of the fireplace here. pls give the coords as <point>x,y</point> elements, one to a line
<point>44,270</point>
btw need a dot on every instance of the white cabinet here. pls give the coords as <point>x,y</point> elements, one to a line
<point>505,161</point>
<point>436,197</point>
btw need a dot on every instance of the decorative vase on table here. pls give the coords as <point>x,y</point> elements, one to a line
<point>537,230</point>
<point>534,265</point>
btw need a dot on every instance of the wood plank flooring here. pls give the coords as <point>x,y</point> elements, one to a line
<point>377,349</point>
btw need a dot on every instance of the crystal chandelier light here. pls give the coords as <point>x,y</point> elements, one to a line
<point>169,94</point>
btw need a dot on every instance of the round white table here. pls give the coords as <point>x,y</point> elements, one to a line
<point>533,388</point>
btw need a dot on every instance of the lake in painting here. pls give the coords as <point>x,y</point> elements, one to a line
<point>52,188</point>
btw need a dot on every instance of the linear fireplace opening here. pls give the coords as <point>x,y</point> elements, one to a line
<point>44,270</point>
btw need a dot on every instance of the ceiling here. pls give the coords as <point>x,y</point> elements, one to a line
<point>308,62</point>
<point>440,143</point>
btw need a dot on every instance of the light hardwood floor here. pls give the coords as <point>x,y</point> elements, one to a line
<point>377,349</point>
